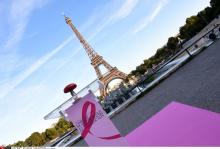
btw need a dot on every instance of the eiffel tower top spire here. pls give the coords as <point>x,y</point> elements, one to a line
<point>89,50</point>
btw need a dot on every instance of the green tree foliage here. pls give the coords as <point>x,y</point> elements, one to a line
<point>51,133</point>
<point>20,144</point>
<point>196,23</point>
<point>215,4</point>
<point>192,26</point>
<point>141,69</point>
<point>133,73</point>
<point>172,43</point>
<point>161,53</point>
<point>206,15</point>
<point>35,139</point>
<point>63,126</point>
<point>185,33</point>
<point>38,139</point>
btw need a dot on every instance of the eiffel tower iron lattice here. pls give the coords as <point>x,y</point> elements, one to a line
<point>97,61</point>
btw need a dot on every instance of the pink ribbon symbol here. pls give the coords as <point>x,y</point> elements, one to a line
<point>88,123</point>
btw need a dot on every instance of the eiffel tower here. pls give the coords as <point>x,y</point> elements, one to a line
<point>97,61</point>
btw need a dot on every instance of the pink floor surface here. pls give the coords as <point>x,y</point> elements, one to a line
<point>178,125</point>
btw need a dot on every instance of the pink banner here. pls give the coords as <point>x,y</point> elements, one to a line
<point>178,125</point>
<point>93,123</point>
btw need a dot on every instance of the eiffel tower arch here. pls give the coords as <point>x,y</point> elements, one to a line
<point>113,74</point>
<point>97,61</point>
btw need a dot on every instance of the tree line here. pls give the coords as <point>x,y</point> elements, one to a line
<point>192,26</point>
<point>39,139</point>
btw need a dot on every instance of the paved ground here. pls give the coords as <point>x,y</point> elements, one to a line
<point>197,83</point>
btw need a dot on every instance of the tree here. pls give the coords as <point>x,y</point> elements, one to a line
<point>51,134</point>
<point>215,4</point>
<point>172,43</point>
<point>129,76</point>
<point>206,16</point>
<point>161,53</point>
<point>193,25</point>
<point>36,139</point>
<point>141,69</point>
<point>19,144</point>
<point>150,62</point>
<point>184,32</point>
<point>62,126</point>
<point>133,73</point>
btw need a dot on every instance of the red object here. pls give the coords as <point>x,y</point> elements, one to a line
<point>1,147</point>
<point>69,88</point>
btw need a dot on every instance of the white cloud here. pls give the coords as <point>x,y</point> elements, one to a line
<point>6,88</point>
<point>16,35</point>
<point>19,14</point>
<point>150,18</point>
<point>125,10</point>
<point>14,22</point>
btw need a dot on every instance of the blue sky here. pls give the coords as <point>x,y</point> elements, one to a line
<point>40,55</point>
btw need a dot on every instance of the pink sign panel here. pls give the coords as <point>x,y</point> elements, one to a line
<point>178,125</point>
<point>93,123</point>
